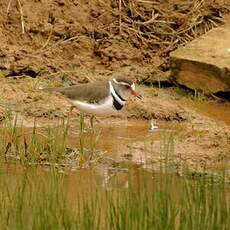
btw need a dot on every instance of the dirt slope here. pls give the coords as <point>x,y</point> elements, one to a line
<point>63,35</point>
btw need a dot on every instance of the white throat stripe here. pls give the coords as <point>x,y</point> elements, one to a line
<point>115,95</point>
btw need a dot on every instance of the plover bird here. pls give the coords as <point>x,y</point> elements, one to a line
<point>101,98</point>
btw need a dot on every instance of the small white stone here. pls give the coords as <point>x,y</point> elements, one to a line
<point>228,49</point>
<point>153,125</point>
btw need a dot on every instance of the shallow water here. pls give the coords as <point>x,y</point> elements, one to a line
<point>85,181</point>
<point>113,136</point>
<point>217,111</point>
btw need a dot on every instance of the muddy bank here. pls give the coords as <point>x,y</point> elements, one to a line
<point>193,133</point>
<point>61,36</point>
<point>26,99</point>
<point>203,146</point>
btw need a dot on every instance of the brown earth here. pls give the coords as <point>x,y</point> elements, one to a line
<point>64,42</point>
<point>61,36</point>
<point>203,146</point>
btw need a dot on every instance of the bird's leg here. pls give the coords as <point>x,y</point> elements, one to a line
<point>97,120</point>
<point>91,121</point>
<point>69,113</point>
<point>70,110</point>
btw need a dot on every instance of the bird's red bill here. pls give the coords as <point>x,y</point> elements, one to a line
<point>136,94</point>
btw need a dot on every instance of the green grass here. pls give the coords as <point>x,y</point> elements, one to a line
<point>198,96</point>
<point>32,145</point>
<point>45,146</point>
<point>162,202</point>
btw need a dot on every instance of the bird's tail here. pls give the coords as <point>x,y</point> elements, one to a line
<point>51,89</point>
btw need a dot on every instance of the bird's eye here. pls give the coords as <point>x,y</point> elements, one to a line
<point>127,86</point>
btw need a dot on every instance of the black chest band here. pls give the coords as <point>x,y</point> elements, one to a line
<point>116,104</point>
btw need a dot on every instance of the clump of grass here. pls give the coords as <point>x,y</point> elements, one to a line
<point>44,146</point>
<point>32,145</point>
<point>198,96</point>
<point>90,153</point>
<point>167,150</point>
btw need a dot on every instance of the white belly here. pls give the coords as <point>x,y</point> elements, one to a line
<point>103,109</point>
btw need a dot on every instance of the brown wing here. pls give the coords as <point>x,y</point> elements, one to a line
<point>90,92</point>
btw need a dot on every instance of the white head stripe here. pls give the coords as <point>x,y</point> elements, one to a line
<point>133,86</point>
<point>121,83</point>
<point>115,80</point>
<point>115,95</point>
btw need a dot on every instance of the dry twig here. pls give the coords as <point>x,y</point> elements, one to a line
<point>22,17</point>
<point>8,7</point>
<point>21,13</point>
<point>120,16</point>
<point>156,24</point>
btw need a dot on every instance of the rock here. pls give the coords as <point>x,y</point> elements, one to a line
<point>204,63</point>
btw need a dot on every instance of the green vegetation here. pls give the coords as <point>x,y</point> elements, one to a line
<point>4,72</point>
<point>32,145</point>
<point>45,146</point>
<point>163,202</point>
<point>198,96</point>
<point>31,198</point>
